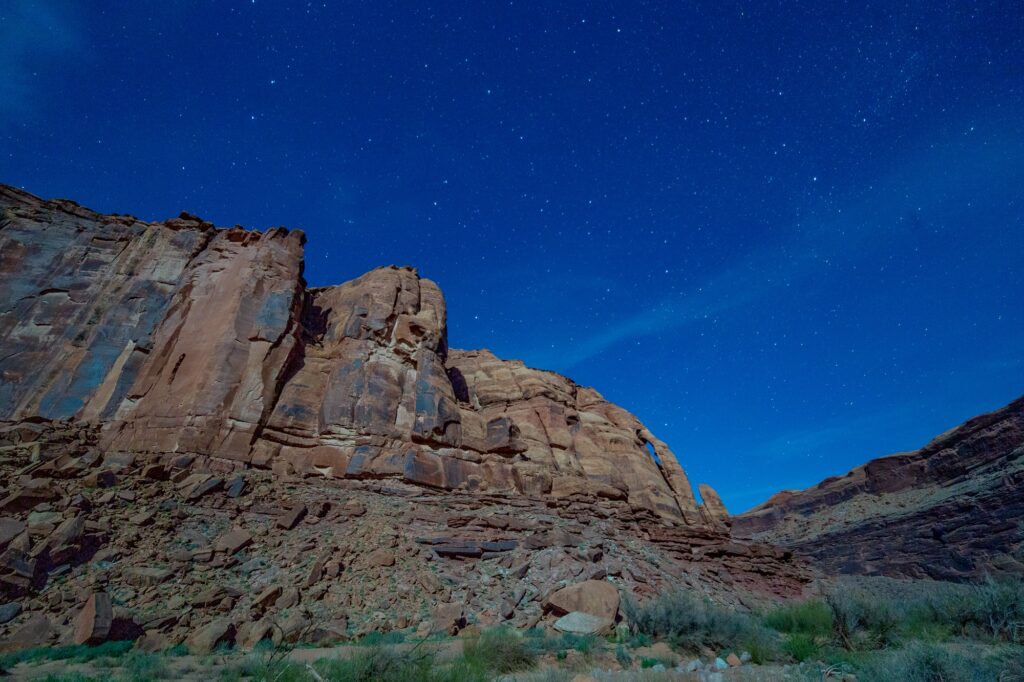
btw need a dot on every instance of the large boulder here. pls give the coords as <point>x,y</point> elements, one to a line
<point>94,620</point>
<point>579,623</point>
<point>597,597</point>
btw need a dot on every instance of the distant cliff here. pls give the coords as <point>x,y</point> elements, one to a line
<point>952,510</point>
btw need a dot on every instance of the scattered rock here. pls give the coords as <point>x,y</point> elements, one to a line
<point>380,557</point>
<point>9,612</point>
<point>35,632</point>
<point>93,623</point>
<point>448,618</point>
<point>290,518</point>
<point>233,541</point>
<point>147,576</point>
<point>205,639</point>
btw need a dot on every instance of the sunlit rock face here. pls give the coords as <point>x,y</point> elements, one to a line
<point>178,337</point>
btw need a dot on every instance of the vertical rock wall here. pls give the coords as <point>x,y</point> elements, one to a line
<point>178,337</point>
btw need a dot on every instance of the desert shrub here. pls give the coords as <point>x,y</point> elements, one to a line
<point>812,617</point>
<point>923,662</point>
<point>76,653</point>
<point>762,644</point>
<point>862,621</point>
<point>800,647</point>
<point>691,622</point>
<point>499,651</point>
<point>379,665</point>
<point>375,638</point>
<point>1010,664</point>
<point>265,662</point>
<point>623,657</point>
<point>585,644</point>
<point>545,644</point>
<point>140,666</point>
<point>992,609</point>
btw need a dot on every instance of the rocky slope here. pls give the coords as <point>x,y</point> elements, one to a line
<point>196,444</point>
<point>952,510</point>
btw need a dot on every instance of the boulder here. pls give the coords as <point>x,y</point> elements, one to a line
<point>597,597</point>
<point>380,557</point>
<point>37,631</point>
<point>233,541</point>
<point>94,620</point>
<point>9,612</point>
<point>579,623</point>
<point>448,618</point>
<point>206,638</point>
<point>291,517</point>
<point>147,576</point>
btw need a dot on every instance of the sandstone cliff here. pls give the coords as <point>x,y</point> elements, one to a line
<point>184,423</point>
<point>178,337</point>
<point>952,510</point>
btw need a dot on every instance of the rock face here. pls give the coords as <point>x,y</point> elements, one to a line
<point>180,337</point>
<point>183,422</point>
<point>952,510</point>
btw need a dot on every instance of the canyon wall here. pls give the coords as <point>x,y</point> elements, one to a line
<point>178,337</point>
<point>953,510</point>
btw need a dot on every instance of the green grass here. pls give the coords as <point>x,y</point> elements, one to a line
<point>494,653</point>
<point>623,657</point>
<point>812,617</point>
<point>539,642</point>
<point>801,647</point>
<point>381,638</point>
<point>140,666</point>
<point>78,653</point>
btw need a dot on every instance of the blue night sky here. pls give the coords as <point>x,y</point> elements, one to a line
<point>788,237</point>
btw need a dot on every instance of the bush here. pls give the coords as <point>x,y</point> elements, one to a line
<point>801,647</point>
<point>860,621</point>
<point>623,658</point>
<point>379,665</point>
<point>922,662</point>
<point>499,651</point>
<point>762,645</point>
<point>687,621</point>
<point>140,666</point>
<point>812,617</point>
<point>991,609</point>
<point>77,653</point>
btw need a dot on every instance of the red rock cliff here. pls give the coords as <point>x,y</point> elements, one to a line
<point>951,510</point>
<point>178,337</point>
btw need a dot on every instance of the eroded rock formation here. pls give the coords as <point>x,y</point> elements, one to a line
<point>185,421</point>
<point>178,337</point>
<point>952,510</point>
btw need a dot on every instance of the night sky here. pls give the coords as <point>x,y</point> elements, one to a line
<point>788,236</point>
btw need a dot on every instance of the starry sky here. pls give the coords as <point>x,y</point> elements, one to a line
<point>788,236</point>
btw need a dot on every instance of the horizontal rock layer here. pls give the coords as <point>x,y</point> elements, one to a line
<point>178,337</point>
<point>952,510</point>
<point>175,549</point>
